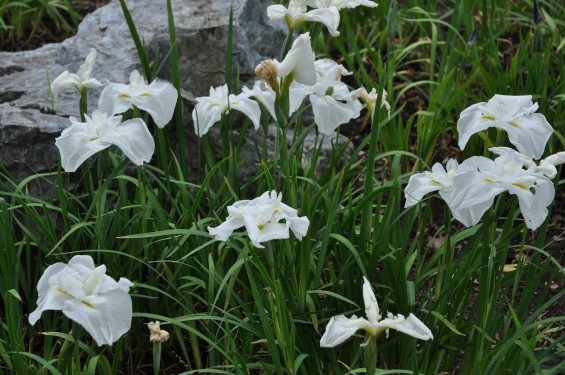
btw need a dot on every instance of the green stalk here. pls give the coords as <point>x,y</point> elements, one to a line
<point>370,171</point>
<point>83,104</point>
<point>370,355</point>
<point>157,345</point>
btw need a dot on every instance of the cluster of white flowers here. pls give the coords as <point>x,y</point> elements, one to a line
<point>332,102</point>
<point>323,11</point>
<point>469,188</point>
<point>105,128</point>
<point>102,306</point>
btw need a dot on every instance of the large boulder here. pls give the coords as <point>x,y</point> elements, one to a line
<point>27,126</point>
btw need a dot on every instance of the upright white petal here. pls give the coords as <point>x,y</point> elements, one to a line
<point>299,61</point>
<point>371,306</point>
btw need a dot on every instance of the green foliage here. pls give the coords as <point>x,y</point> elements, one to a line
<point>235,309</point>
<point>23,21</point>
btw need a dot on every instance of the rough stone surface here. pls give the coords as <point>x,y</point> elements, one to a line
<point>27,133</point>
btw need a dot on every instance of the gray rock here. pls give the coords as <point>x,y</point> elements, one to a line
<point>27,133</point>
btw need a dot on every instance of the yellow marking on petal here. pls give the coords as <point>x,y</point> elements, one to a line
<point>88,304</point>
<point>260,226</point>
<point>276,211</point>
<point>145,94</point>
<point>488,118</point>
<point>122,96</point>
<point>521,186</point>
<point>488,180</point>
<point>434,182</point>
<point>62,291</point>
<point>514,124</point>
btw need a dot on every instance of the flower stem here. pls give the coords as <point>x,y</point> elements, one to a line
<point>83,105</point>
<point>370,355</point>
<point>156,357</point>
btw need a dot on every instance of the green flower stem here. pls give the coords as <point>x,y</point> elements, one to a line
<point>157,345</point>
<point>77,331</point>
<point>83,104</point>
<point>370,355</point>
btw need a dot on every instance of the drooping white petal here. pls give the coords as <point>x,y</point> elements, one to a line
<point>529,134</point>
<point>555,159</point>
<point>82,140</point>
<point>158,98</point>
<point>135,140</point>
<point>533,205</point>
<point>266,232</point>
<point>419,185</point>
<point>411,326</point>
<point>76,145</point>
<point>329,113</point>
<point>48,297</point>
<point>264,94</point>
<point>341,4</point>
<point>115,98</point>
<point>262,218</point>
<point>475,184</point>
<point>224,230</point>
<point>204,115</point>
<point>329,17</point>
<point>105,318</point>
<point>248,107</point>
<point>469,216</point>
<point>339,329</point>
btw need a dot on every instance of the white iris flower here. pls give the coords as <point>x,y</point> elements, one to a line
<point>324,11</point>
<point>340,328</point>
<point>332,102</point>
<point>157,98</point>
<point>81,80</point>
<point>262,218</point>
<point>209,109</point>
<point>482,179</point>
<point>527,130</point>
<point>81,140</point>
<point>85,294</point>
